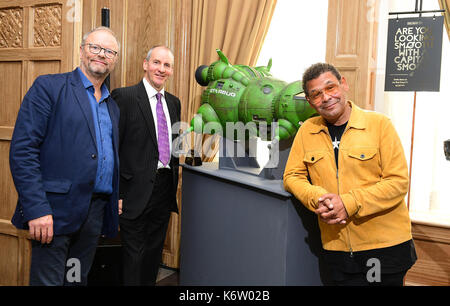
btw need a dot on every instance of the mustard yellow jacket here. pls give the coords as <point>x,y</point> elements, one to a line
<point>372,180</point>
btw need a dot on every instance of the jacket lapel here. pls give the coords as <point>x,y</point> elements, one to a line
<point>114,121</point>
<point>144,105</point>
<point>83,100</point>
<point>172,110</point>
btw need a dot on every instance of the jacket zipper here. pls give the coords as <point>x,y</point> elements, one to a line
<point>346,227</point>
<point>337,178</point>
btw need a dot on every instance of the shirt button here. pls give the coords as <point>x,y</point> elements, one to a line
<point>312,158</point>
<point>93,156</point>
<point>362,156</point>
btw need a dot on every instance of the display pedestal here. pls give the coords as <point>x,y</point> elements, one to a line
<point>238,229</point>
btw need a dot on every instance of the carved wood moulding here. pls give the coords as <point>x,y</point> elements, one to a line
<point>11,24</point>
<point>47,25</point>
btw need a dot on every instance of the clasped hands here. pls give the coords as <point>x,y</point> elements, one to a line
<point>331,209</point>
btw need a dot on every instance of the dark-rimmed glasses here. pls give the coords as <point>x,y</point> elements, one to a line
<point>96,49</point>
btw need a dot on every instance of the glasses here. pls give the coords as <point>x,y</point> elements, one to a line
<point>96,49</point>
<point>331,90</point>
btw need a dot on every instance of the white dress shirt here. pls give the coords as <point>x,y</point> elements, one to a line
<point>151,93</point>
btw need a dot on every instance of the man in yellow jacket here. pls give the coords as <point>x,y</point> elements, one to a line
<point>348,166</point>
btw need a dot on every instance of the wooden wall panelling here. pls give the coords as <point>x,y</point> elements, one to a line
<point>139,25</point>
<point>148,24</point>
<point>91,18</point>
<point>179,42</point>
<point>11,74</point>
<point>7,190</point>
<point>15,255</point>
<point>351,45</point>
<point>10,250</point>
<point>36,37</point>
<point>433,256</point>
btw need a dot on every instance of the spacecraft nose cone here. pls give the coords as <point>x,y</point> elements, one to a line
<point>199,77</point>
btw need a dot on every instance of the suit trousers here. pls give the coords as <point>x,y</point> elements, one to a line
<point>67,259</point>
<point>143,238</point>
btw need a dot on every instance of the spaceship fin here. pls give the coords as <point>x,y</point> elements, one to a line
<point>222,57</point>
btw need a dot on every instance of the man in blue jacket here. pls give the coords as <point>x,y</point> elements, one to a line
<point>64,164</point>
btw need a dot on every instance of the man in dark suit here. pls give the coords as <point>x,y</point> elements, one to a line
<point>64,163</point>
<point>148,171</point>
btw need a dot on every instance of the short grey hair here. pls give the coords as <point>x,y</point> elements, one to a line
<point>101,28</point>
<point>149,53</point>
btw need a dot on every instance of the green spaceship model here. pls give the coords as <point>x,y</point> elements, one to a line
<point>251,96</point>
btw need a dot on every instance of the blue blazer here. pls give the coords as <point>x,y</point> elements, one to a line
<point>53,155</point>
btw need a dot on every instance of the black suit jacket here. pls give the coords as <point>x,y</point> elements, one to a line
<point>138,148</point>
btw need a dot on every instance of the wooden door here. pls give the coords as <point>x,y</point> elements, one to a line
<point>36,37</point>
<point>352,46</point>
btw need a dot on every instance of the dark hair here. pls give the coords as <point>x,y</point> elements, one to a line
<point>314,71</point>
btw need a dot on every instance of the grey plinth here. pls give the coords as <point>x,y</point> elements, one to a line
<point>238,229</point>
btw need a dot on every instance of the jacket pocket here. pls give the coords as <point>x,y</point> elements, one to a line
<point>126,176</point>
<point>313,157</point>
<point>57,186</point>
<point>364,166</point>
<point>316,164</point>
<point>363,153</point>
<point>124,184</point>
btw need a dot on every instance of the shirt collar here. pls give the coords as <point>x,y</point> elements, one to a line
<point>150,90</point>
<point>88,84</point>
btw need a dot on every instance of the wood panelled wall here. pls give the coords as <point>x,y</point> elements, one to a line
<point>352,46</point>
<point>139,25</point>
<point>36,35</point>
<point>433,256</point>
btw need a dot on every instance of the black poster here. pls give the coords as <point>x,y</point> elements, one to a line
<point>414,50</point>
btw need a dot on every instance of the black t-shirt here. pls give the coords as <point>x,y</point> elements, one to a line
<point>336,132</point>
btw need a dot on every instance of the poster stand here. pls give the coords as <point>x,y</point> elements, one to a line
<point>418,10</point>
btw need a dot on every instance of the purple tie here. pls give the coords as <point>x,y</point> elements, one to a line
<point>163,135</point>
